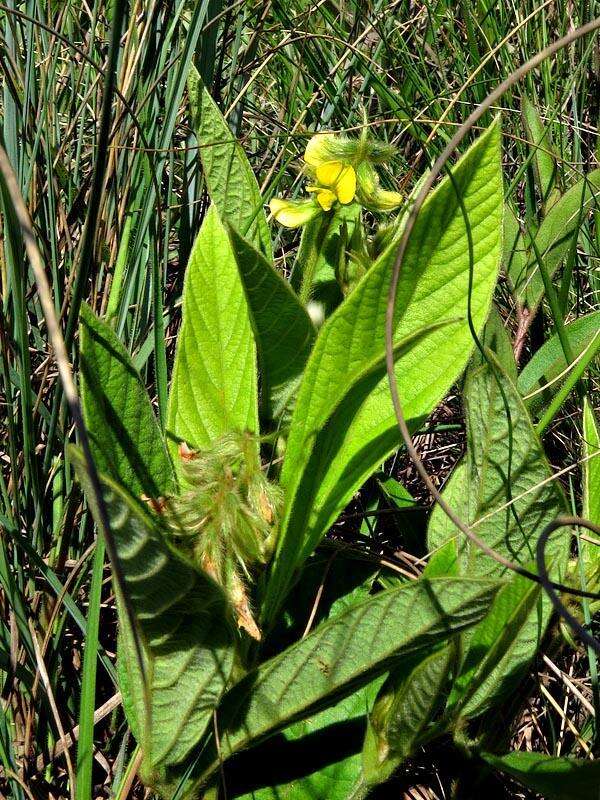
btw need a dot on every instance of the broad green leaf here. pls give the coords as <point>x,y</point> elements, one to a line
<point>461,493</point>
<point>556,778</point>
<point>415,702</point>
<point>504,491</point>
<point>125,437</point>
<point>553,239</point>
<point>549,361</point>
<point>444,561</point>
<point>328,441</point>
<point>544,158</point>
<point>182,616</point>
<point>345,653</point>
<point>283,330</point>
<point>591,492</point>
<point>231,184</point>
<point>213,389</point>
<point>433,288</point>
<point>506,477</point>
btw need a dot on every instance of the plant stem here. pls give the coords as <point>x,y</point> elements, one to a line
<point>308,260</point>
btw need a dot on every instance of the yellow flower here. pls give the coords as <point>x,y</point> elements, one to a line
<point>335,181</point>
<point>334,177</point>
<point>293,213</point>
<point>341,171</point>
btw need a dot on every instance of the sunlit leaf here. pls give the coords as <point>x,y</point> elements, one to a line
<point>433,288</point>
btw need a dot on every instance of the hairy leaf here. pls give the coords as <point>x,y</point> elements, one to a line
<point>182,617</point>
<point>231,183</point>
<point>318,756</point>
<point>433,289</point>
<point>347,652</point>
<point>403,713</point>
<point>505,492</point>
<point>283,330</point>
<point>415,702</point>
<point>213,389</point>
<point>553,777</point>
<point>125,437</point>
<point>507,476</point>
<point>511,630</point>
<point>328,442</point>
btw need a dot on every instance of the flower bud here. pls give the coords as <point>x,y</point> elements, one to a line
<point>293,213</point>
<point>370,194</point>
<point>226,519</point>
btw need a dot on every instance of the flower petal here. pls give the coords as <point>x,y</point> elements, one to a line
<point>346,185</point>
<point>326,198</point>
<point>293,213</point>
<point>329,173</point>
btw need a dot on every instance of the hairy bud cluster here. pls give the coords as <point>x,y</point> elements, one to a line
<point>226,518</point>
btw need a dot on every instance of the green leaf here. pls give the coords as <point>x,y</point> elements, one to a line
<point>544,158</point>
<point>213,389</point>
<point>182,617</point>
<point>556,778</point>
<point>231,183</point>
<point>591,491</point>
<point>403,713</point>
<point>125,438</point>
<point>506,477</point>
<point>345,653</point>
<point>329,741</point>
<point>328,441</point>
<point>508,634</point>
<point>318,756</point>
<point>504,491</point>
<point>434,277</point>
<point>553,239</point>
<point>415,702</point>
<point>549,361</point>
<point>495,336</point>
<point>283,330</point>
